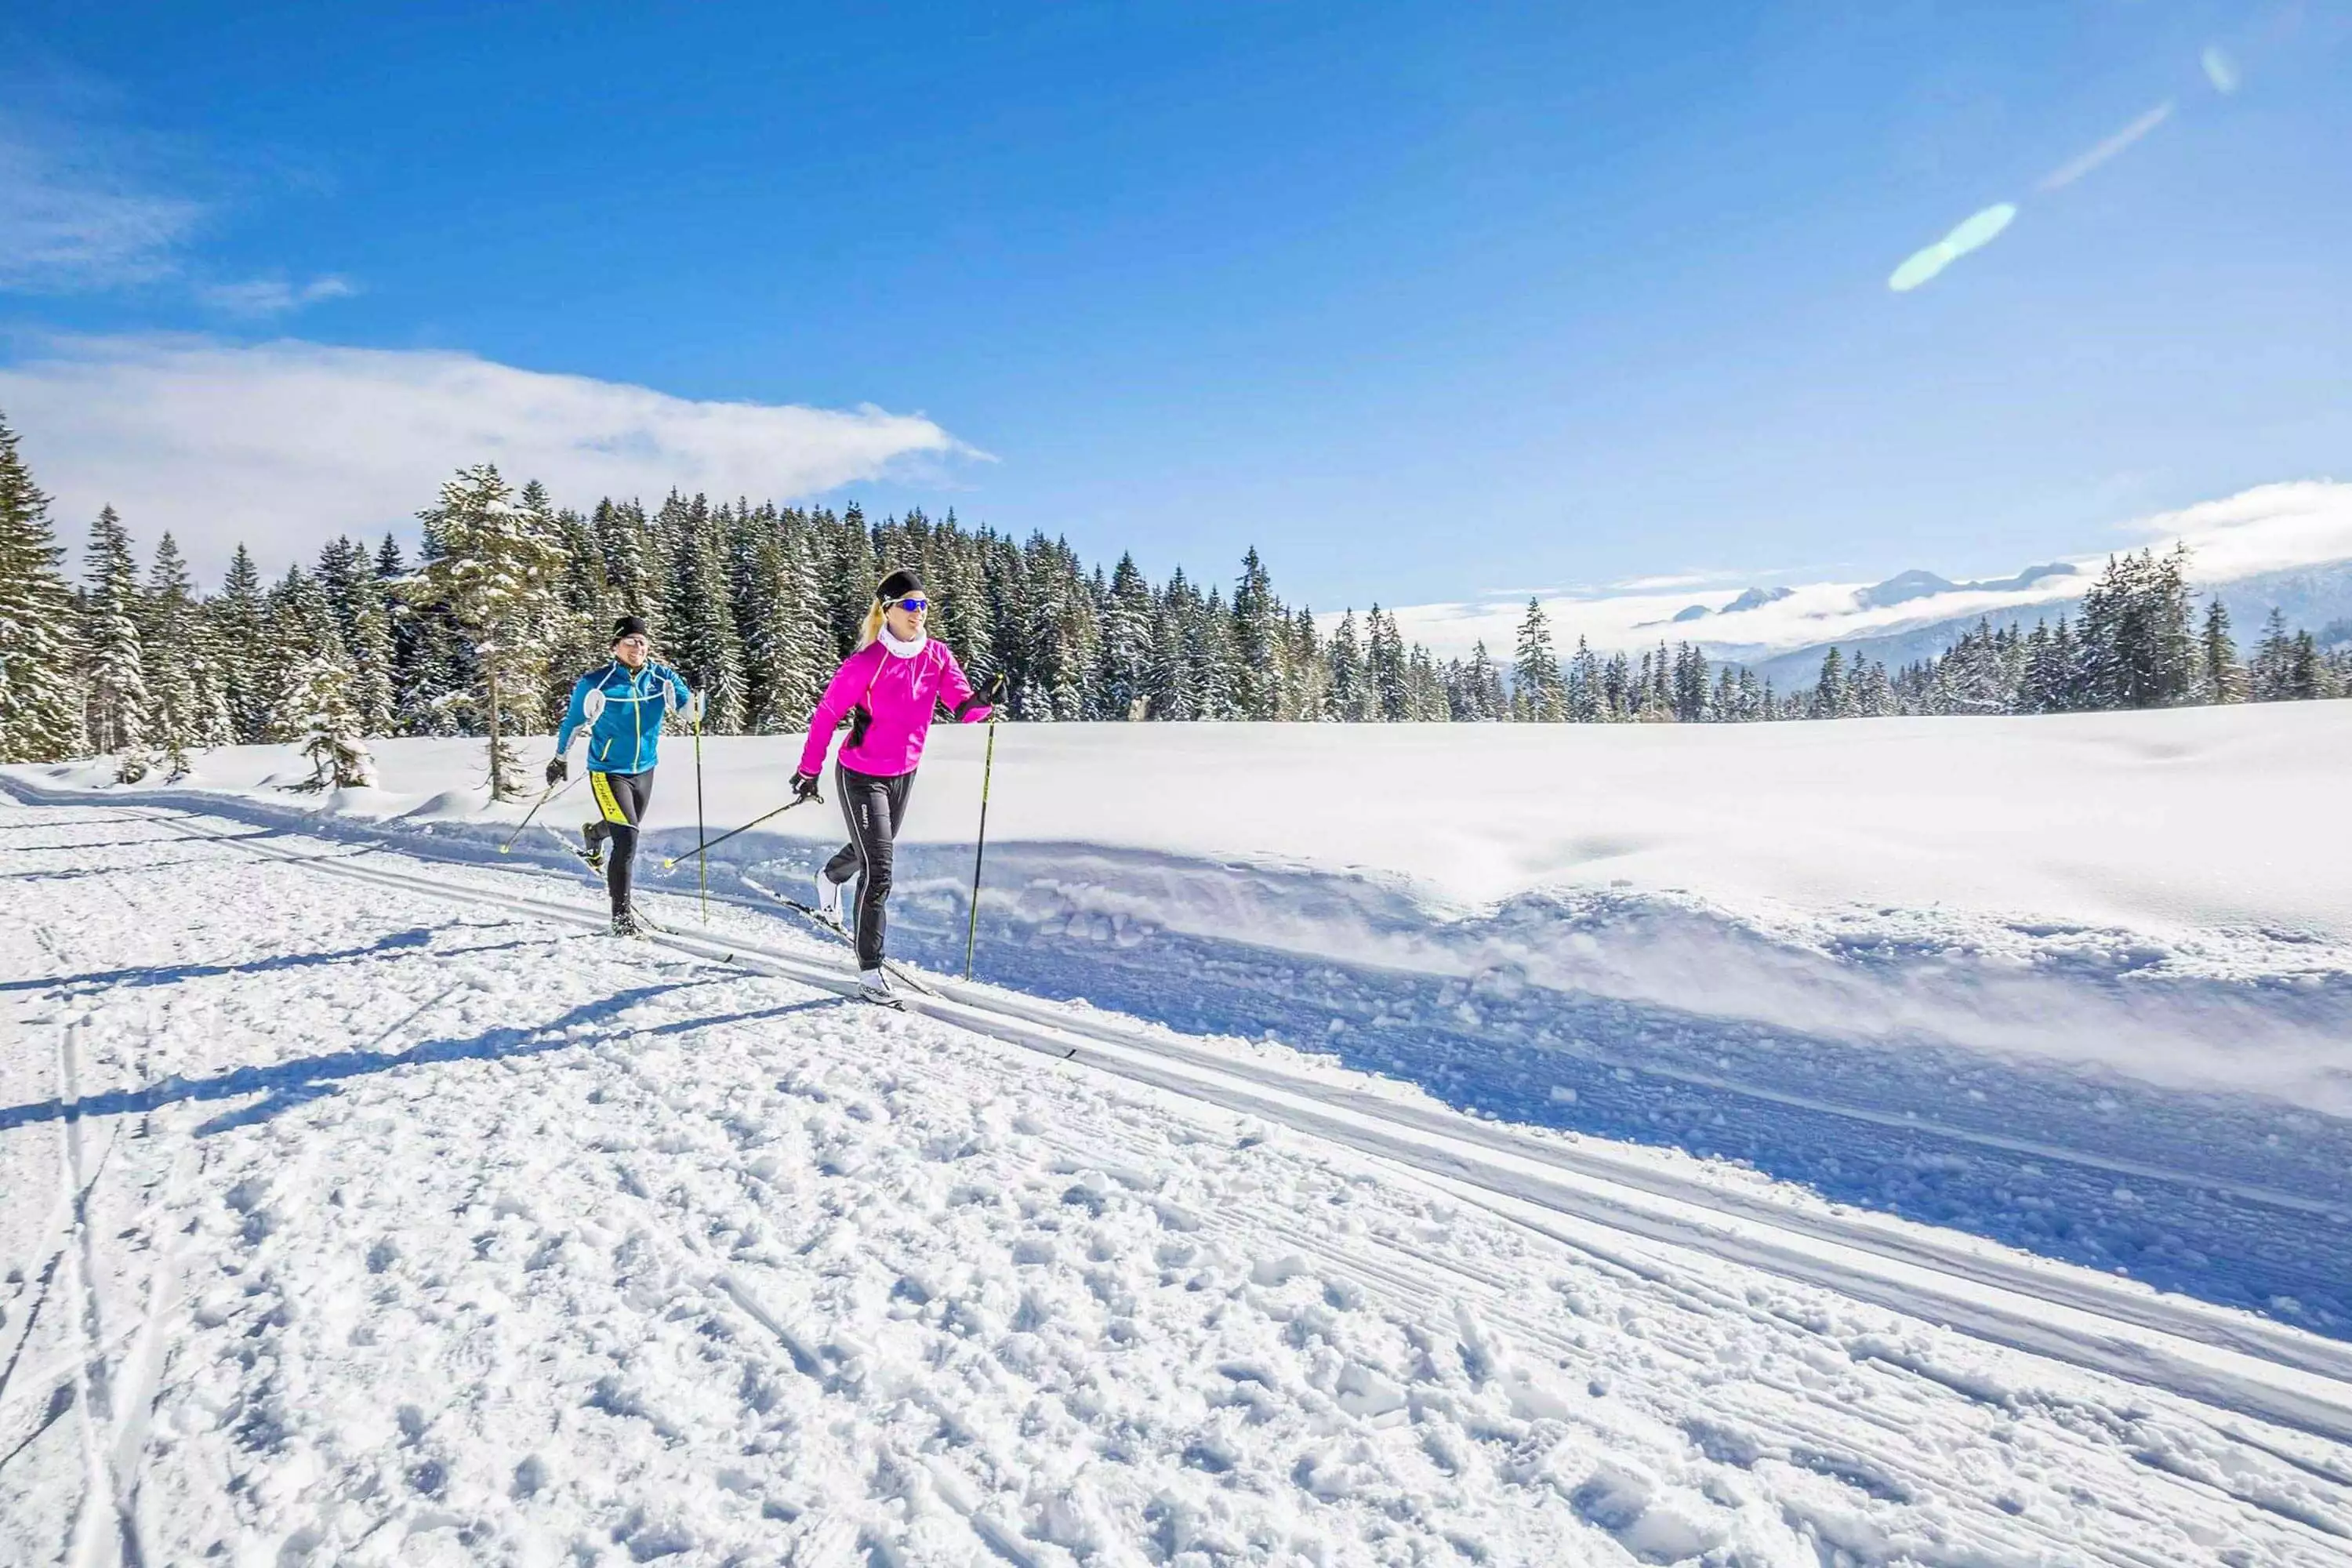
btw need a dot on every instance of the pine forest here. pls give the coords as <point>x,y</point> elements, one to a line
<point>510,597</point>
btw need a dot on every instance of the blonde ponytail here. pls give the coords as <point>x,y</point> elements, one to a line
<point>872,627</point>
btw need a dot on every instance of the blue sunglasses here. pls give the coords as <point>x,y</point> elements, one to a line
<point>916,603</point>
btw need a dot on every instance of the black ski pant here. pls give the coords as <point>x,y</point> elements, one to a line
<point>874,807</point>
<point>623,798</point>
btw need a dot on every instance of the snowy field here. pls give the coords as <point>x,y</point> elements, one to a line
<point>365,1206</point>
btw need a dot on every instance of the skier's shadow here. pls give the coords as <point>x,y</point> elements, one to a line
<point>173,973</point>
<point>284,1086</point>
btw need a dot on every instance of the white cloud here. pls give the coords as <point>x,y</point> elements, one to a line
<point>69,223</point>
<point>273,295</point>
<point>283,445</point>
<point>2266,529</point>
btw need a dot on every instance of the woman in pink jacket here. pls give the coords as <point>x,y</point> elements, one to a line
<point>887,690</point>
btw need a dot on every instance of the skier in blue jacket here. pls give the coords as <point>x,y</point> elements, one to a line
<point>623,703</point>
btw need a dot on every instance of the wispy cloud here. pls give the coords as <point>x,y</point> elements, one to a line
<point>2074,168</point>
<point>282,444</point>
<point>264,297</point>
<point>69,221</point>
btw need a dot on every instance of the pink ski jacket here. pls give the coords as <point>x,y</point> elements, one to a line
<point>898,694</point>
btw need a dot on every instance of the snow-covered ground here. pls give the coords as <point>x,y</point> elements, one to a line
<point>2083,985</point>
<point>370,1209</point>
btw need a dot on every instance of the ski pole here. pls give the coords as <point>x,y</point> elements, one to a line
<point>550,793</point>
<point>715,843</point>
<point>987,768</point>
<point>701,861</point>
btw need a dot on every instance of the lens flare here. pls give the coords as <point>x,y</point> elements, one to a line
<point>2073,169</point>
<point>2221,70</point>
<point>1976,231</point>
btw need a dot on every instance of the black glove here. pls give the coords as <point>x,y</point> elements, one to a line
<point>556,770</point>
<point>805,786</point>
<point>994,695</point>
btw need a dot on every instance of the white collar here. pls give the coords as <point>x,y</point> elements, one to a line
<point>902,649</point>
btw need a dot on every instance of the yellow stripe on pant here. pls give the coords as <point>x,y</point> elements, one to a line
<point>605,801</point>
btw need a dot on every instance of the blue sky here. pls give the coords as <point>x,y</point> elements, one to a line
<point>1427,301</point>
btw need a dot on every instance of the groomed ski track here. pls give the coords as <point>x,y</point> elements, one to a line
<point>2222,1358</point>
<point>1635,1214</point>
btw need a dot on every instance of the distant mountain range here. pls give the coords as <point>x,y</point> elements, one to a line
<point>1900,589</point>
<point>2312,598</point>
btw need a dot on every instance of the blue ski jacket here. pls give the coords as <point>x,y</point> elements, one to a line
<point>625,713</point>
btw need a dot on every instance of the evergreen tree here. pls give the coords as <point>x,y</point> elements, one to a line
<point>2271,675</point>
<point>41,697</point>
<point>1588,696</point>
<point>1829,690</point>
<point>1351,696</point>
<point>114,674</point>
<point>355,597</point>
<point>1123,665</point>
<point>2222,681</point>
<point>183,714</point>
<point>698,626</point>
<point>1481,699</point>
<point>491,572</point>
<point>1386,667</point>
<point>317,712</point>
<point>1259,640</point>
<point>785,642</point>
<point>236,624</point>
<point>1538,695</point>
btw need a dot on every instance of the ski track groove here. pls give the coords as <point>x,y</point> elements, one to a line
<point>1495,1296</point>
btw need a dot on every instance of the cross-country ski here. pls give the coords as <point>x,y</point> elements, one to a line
<point>1107,787</point>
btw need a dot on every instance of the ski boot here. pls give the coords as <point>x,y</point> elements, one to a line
<point>592,837</point>
<point>874,986</point>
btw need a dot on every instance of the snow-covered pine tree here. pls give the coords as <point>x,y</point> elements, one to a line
<point>1426,701</point>
<point>1260,642</point>
<point>114,675</point>
<point>2220,680</point>
<point>1538,694</point>
<point>234,614</point>
<point>1123,663</point>
<point>1588,700</point>
<point>1829,690</point>
<point>1351,697</point>
<point>1874,692</point>
<point>316,710</point>
<point>635,568</point>
<point>2269,673</point>
<point>854,574</point>
<point>1308,694</point>
<point>491,572</point>
<point>299,628</point>
<point>1482,701</point>
<point>40,696</point>
<point>697,628</point>
<point>357,599</point>
<point>1062,637</point>
<point>785,642</point>
<point>1209,673</point>
<point>1164,692</point>
<point>178,707</point>
<point>1690,691</point>
<point>1386,668</point>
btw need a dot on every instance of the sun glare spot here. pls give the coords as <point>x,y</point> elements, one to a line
<point>2220,69</point>
<point>1976,231</point>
